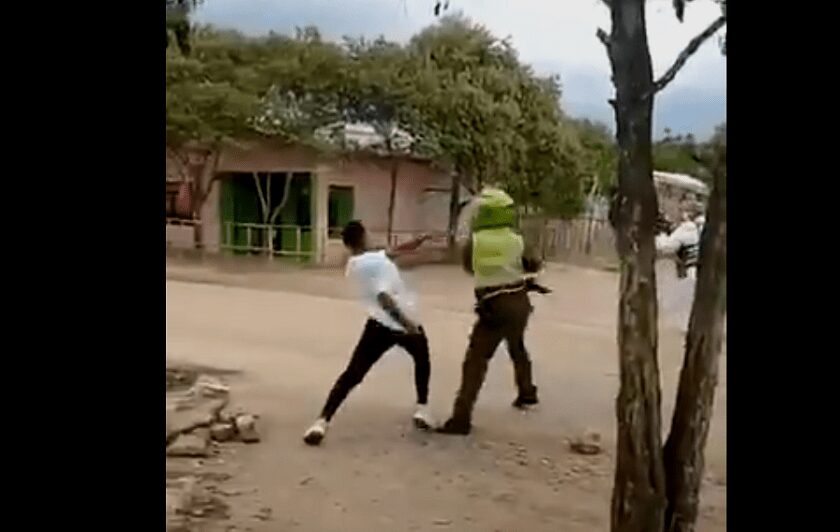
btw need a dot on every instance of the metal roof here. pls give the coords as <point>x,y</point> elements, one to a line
<point>683,181</point>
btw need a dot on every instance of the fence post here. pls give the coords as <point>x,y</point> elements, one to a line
<point>297,240</point>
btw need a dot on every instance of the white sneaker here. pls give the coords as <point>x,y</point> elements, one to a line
<point>423,418</point>
<point>316,432</point>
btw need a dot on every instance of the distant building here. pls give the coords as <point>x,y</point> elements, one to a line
<point>325,192</point>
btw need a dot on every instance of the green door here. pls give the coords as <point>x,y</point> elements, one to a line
<point>340,209</point>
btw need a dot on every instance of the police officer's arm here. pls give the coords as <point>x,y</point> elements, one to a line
<point>531,260</point>
<point>466,256</point>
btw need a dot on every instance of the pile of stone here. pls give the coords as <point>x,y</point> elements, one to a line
<point>195,416</point>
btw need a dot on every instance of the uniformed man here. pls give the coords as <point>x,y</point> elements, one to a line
<point>503,269</point>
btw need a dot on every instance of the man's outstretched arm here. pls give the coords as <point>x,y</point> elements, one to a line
<point>405,247</point>
<point>390,306</point>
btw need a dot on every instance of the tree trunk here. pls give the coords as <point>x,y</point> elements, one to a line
<point>203,188</point>
<point>638,499</point>
<point>454,210</point>
<point>287,185</point>
<point>264,198</point>
<point>686,444</point>
<point>392,198</point>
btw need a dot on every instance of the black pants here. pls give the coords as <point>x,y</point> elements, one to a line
<point>375,340</point>
<point>503,317</point>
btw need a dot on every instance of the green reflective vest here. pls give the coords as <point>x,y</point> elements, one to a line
<point>496,247</point>
<point>497,257</point>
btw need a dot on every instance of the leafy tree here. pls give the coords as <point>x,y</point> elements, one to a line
<point>549,158</point>
<point>232,88</point>
<point>454,92</point>
<point>178,23</point>
<point>462,80</point>
<point>378,93</point>
<point>600,156</point>
<point>493,119</point>
<point>211,98</point>
<point>304,81</point>
<point>676,153</point>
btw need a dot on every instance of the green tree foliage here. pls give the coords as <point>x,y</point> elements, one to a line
<point>460,94</point>
<point>676,153</point>
<point>682,154</point>
<point>600,155</point>
<point>494,119</point>
<point>213,93</point>
<point>710,156</point>
<point>233,87</point>
<point>178,23</point>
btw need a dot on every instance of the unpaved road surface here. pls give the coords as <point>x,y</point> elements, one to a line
<point>290,334</point>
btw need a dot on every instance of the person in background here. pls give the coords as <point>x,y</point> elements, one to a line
<point>392,321</point>
<point>682,245</point>
<point>497,257</point>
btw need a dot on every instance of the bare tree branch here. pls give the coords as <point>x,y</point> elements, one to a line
<point>686,54</point>
<point>263,199</point>
<point>604,37</point>
<point>283,200</point>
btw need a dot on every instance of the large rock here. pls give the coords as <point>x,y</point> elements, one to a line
<point>197,407</point>
<point>222,432</point>
<point>194,444</point>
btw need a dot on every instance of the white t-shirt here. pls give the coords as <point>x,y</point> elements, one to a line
<point>686,234</point>
<point>374,273</point>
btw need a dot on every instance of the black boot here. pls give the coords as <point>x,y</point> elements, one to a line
<point>452,426</point>
<point>523,401</point>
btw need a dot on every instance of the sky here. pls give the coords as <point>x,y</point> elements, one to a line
<point>554,36</point>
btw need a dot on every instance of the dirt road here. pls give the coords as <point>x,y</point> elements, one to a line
<point>291,333</point>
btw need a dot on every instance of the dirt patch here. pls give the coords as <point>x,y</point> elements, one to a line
<point>197,463</point>
<point>181,377</point>
<point>189,504</point>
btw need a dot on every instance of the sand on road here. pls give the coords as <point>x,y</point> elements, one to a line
<point>290,334</point>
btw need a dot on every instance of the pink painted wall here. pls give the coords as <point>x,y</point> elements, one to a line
<point>372,184</point>
<point>416,209</point>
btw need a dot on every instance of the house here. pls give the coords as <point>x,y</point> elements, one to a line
<point>311,196</point>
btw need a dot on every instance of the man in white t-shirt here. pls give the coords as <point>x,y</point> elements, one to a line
<point>682,245</point>
<point>392,320</point>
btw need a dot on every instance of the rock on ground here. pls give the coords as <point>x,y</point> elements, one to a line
<point>197,407</point>
<point>246,426</point>
<point>193,444</point>
<point>589,443</point>
<point>222,432</point>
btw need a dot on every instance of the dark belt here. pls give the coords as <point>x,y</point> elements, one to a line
<point>487,292</point>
